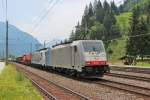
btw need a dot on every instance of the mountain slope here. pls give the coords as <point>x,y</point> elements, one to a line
<point>130,4</point>
<point>118,47</point>
<point>19,42</point>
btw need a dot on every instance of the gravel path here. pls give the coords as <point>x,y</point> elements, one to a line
<point>91,90</point>
<point>2,65</point>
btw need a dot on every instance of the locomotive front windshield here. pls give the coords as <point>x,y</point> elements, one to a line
<point>93,47</point>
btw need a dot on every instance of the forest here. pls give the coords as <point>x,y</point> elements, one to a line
<point>125,29</point>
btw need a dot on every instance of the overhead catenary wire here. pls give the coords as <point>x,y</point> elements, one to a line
<point>139,35</point>
<point>29,44</point>
<point>43,11</point>
<point>19,43</point>
<point>128,37</point>
<point>44,15</point>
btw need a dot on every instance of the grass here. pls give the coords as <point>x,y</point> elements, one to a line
<point>123,21</point>
<point>118,47</point>
<point>140,64</point>
<point>15,86</point>
<point>143,64</point>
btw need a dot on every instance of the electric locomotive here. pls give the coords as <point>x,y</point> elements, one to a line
<point>82,57</point>
<point>79,58</point>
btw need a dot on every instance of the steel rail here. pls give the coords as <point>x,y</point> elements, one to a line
<point>130,69</point>
<point>126,87</point>
<point>82,97</point>
<point>40,88</point>
<point>140,78</point>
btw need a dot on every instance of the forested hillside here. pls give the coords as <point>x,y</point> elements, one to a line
<point>98,22</point>
<point>124,29</point>
<point>128,5</point>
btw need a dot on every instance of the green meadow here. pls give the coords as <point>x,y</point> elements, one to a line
<point>15,86</point>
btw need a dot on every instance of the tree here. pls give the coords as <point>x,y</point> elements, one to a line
<point>72,36</point>
<point>86,19</point>
<point>78,33</point>
<point>132,42</point>
<point>138,43</point>
<point>114,8</point>
<point>148,13</point>
<point>121,9</point>
<point>85,16</point>
<point>98,22</point>
<point>108,22</point>
<point>90,12</point>
<point>143,41</point>
<point>95,5</point>
<point>106,6</point>
<point>97,31</point>
<point>99,5</point>
<point>99,12</point>
<point>115,32</point>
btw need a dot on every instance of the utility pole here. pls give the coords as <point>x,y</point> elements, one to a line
<point>3,55</point>
<point>31,48</point>
<point>45,44</point>
<point>6,37</point>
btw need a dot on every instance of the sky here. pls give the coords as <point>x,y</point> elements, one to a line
<point>56,24</point>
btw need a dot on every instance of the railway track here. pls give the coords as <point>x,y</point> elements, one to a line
<point>131,69</point>
<point>126,87</point>
<point>142,91</point>
<point>46,94</point>
<point>140,78</point>
<point>46,87</point>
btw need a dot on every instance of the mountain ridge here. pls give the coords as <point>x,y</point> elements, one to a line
<point>23,41</point>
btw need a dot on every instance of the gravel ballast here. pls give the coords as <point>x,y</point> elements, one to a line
<point>91,90</point>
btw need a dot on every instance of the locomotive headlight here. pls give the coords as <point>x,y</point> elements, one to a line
<point>88,63</point>
<point>103,56</point>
